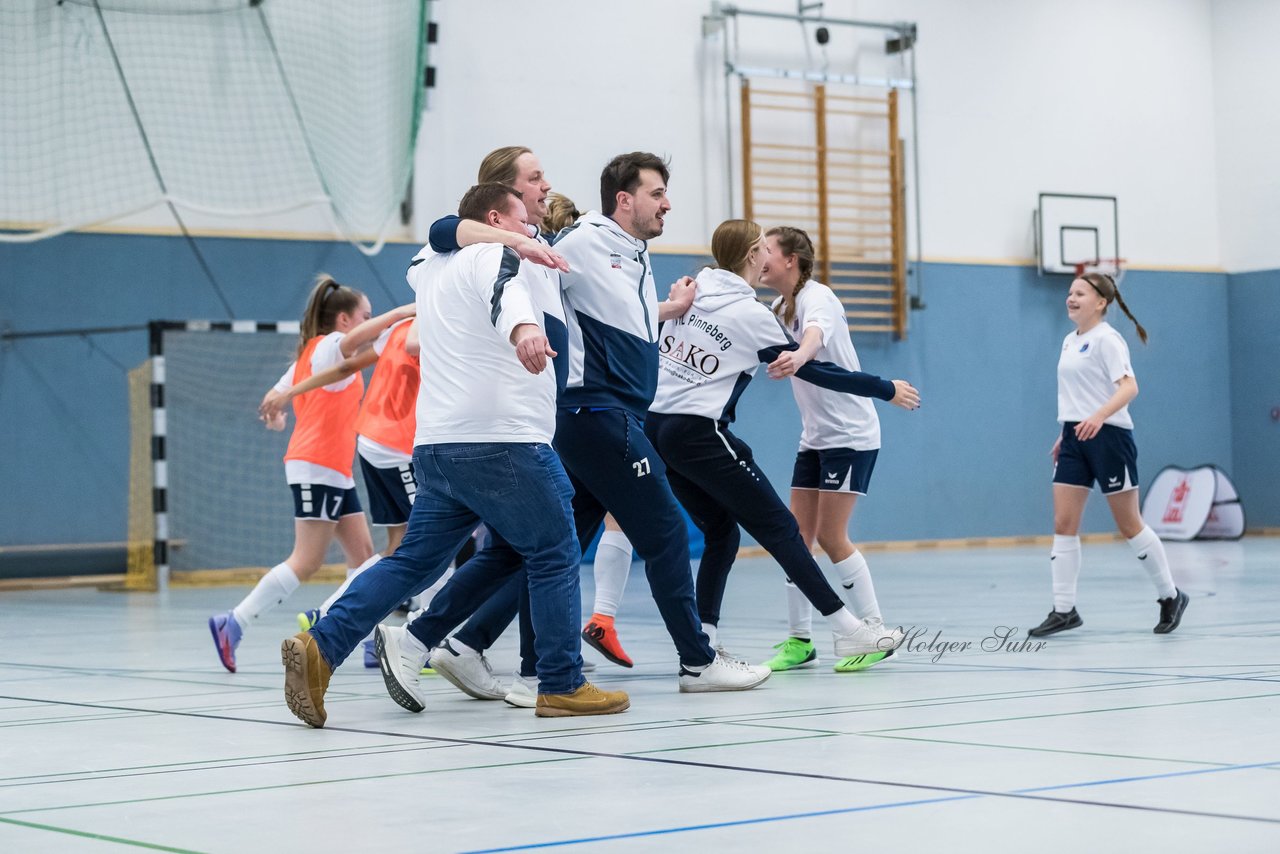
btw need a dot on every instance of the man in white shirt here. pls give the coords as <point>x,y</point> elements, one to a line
<point>478,458</point>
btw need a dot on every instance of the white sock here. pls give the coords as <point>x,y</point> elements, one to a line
<point>713,634</point>
<point>799,613</point>
<point>342,588</point>
<point>274,587</point>
<point>1065,563</point>
<point>425,597</point>
<point>613,564</point>
<point>1150,551</point>
<point>843,622</point>
<point>855,576</point>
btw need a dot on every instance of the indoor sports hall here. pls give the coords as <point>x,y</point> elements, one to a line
<point>1055,220</point>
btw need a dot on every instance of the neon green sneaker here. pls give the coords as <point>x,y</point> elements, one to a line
<point>428,671</point>
<point>307,619</point>
<point>854,663</point>
<point>793,654</point>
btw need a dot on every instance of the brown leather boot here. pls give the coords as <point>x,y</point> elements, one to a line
<point>306,678</point>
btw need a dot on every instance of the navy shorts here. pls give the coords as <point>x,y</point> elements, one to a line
<point>391,492</point>
<point>327,503</point>
<point>1110,458</point>
<point>834,470</point>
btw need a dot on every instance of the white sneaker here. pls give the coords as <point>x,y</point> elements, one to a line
<point>863,640</point>
<point>890,639</point>
<point>523,693</point>
<point>469,672</point>
<point>721,651</point>
<point>401,661</point>
<point>723,674</point>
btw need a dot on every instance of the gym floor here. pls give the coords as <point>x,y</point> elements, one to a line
<point>118,727</point>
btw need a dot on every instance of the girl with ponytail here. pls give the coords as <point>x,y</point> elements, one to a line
<point>707,357</point>
<point>1095,386</point>
<point>318,462</point>
<point>838,446</point>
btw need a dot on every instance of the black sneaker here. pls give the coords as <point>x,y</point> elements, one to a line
<point>1171,612</point>
<point>1056,622</point>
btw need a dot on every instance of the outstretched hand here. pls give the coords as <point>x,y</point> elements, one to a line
<point>271,410</point>
<point>907,397</point>
<point>533,250</point>
<point>532,347</point>
<point>787,363</point>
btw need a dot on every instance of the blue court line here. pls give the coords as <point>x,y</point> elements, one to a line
<point>1143,777</point>
<point>720,824</point>
<point>1015,793</point>
<point>956,792</point>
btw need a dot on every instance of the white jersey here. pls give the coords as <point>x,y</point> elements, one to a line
<point>325,355</point>
<point>1088,370</point>
<point>708,355</point>
<point>474,389</point>
<point>830,419</point>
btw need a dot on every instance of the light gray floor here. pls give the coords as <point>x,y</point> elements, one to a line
<point>118,728</point>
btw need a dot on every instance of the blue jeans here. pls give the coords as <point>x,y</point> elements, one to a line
<point>522,493</point>
<point>604,451</point>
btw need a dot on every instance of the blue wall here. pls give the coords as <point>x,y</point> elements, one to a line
<point>972,462</point>
<point>1255,393</point>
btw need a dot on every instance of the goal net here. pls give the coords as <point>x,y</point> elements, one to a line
<point>219,107</point>
<point>207,484</point>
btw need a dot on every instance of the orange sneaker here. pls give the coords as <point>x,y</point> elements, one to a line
<point>601,635</point>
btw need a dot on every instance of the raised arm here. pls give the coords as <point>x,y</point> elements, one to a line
<point>836,378</point>
<point>366,333</point>
<point>451,233</point>
<point>271,410</point>
<point>790,361</point>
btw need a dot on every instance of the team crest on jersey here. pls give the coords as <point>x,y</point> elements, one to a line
<point>615,260</point>
<point>1084,347</point>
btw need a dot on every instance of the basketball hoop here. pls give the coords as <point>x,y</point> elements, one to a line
<point>1113,267</point>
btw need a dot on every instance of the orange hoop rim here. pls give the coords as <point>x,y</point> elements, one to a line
<point>1103,264</point>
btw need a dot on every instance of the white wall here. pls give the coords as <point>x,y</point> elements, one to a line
<point>1246,66</point>
<point>1016,98</point>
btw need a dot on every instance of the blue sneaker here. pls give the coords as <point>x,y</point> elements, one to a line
<point>226,637</point>
<point>370,654</point>
<point>307,619</point>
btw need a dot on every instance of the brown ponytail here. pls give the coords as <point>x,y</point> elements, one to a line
<point>794,241</point>
<point>1107,289</point>
<point>328,299</point>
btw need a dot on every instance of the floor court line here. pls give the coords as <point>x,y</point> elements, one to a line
<point>920,802</point>
<point>1073,713</point>
<point>96,836</point>
<point>565,753</point>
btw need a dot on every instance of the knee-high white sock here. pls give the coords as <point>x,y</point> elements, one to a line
<point>613,563</point>
<point>799,613</point>
<point>1065,563</point>
<point>274,587</point>
<point>342,588</point>
<point>1150,551</point>
<point>855,577</point>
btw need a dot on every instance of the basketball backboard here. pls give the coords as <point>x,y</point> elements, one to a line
<point>1074,229</point>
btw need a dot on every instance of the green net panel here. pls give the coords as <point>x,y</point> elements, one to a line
<point>225,107</point>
